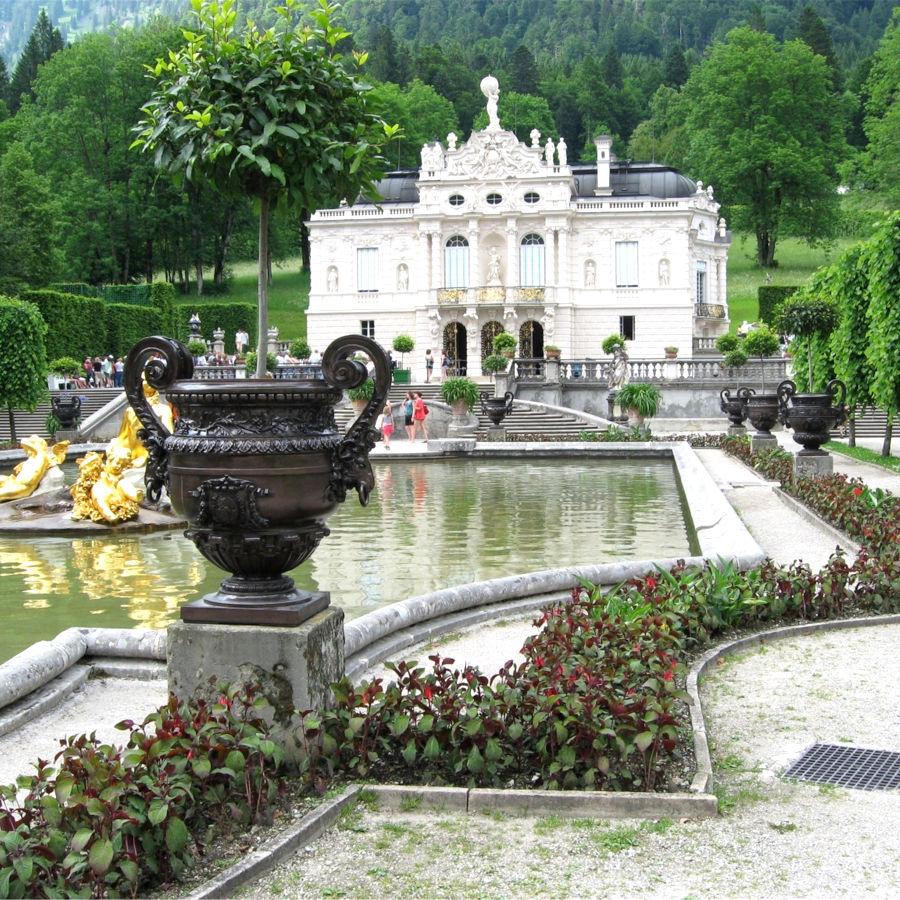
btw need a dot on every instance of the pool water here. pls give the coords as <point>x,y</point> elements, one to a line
<point>429,525</point>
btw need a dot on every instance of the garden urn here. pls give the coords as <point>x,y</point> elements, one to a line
<point>256,467</point>
<point>812,416</point>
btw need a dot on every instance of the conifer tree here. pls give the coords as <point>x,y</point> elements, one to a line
<point>42,43</point>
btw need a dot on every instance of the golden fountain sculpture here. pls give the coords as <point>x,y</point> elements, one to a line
<point>101,493</point>
<point>28,475</point>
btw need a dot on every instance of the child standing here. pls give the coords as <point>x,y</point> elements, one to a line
<point>387,425</point>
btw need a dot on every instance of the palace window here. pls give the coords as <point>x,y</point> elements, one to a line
<point>456,262</point>
<point>701,281</point>
<point>367,269</point>
<point>494,199</point>
<point>626,327</point>
<point>457,199</point>
<point>626,264</point>
<point>367,328</point>
<point>532,197</point>
<point>531,261</point>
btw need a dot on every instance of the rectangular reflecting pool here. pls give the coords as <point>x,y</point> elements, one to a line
<point>429,525</point>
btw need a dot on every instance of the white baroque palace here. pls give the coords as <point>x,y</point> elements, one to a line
<point>494,235</point>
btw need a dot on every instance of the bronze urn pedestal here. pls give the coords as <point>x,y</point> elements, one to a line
<point>256,467</point>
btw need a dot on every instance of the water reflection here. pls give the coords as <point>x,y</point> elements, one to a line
<point>429,525</point>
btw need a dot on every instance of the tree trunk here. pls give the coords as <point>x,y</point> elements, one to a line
<point>262,287</point>
<point>304,240</point>
<point>224,244</point>
<point>12,425</point>
<point>765,250</point>
<point>888,433</point>
<point>851,432</point>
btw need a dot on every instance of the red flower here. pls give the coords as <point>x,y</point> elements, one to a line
<point>428,692</point>
<point>857,491</point>
<point>651,581</point>
<point>668,675</point>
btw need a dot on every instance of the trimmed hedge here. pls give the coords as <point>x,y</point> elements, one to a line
<point>76,326</point>
<point>230,317</point>
<point>127,324</point>
<point>768,297</point>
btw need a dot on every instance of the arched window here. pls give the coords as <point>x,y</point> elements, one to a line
<point>456,262</point>
<point>531,261</point>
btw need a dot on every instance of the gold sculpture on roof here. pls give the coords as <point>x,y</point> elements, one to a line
<point>28,475</point>
<point>101,494</point>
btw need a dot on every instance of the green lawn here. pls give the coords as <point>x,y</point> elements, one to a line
<point>288,295</point>
<point>796,262</point>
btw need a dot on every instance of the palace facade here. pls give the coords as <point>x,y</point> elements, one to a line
<point>495,235</point>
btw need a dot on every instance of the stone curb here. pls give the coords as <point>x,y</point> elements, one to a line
<point>44,698</point>
<point>703,779</point>
<point>273,852</point>
<point>393,644</point>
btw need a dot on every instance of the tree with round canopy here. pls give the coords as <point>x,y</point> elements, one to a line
<point>279,115</point>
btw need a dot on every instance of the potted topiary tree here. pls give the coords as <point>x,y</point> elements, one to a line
<point>197,348</point>
<point>300,350</point>
<point>641,400</point>
<point>551,351</point>
<point>494,363</point>
<point>760,407</point>
<point>461,393</point>
<point>402,344</point>
<point>505,344</point>
<point>812,415</point>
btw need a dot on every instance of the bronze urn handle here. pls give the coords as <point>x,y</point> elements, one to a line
<point>351,468</point>
<point>152,365</point>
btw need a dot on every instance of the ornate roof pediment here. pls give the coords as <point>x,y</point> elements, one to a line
<point>492,154</point>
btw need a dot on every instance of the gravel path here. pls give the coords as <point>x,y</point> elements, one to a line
<point>773,839</point>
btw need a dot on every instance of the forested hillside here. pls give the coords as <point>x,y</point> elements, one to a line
<point>559,30</point>
<point>776,103</point>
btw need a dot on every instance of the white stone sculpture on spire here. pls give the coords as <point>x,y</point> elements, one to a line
<point>491,89</point>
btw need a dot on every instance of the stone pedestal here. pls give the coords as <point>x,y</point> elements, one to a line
<point>813,465</point>
<point>293,667</point>
<point>495,433</point>
<point>736,431</point>
<point>760,442</point>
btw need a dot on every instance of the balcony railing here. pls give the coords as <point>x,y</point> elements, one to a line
<point>492,294</point>
<point>597,372</point>
<point>293,371</point>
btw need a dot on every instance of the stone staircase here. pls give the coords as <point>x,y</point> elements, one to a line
<point>522,420</point>
<point>92,399</point>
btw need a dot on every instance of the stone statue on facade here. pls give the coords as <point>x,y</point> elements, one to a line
<point>549,150</point>
<point>491,89</point>
<point>493,272</point>
<point>590,274</point>
<point>562,152</point>
<point>663,272</point>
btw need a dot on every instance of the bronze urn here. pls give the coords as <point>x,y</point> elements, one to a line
<point>735,407</point>
<point>497,408</point>
<point>812,416</point>
<point>256,467</point>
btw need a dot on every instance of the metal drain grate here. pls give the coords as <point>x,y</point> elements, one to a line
<point>852,767</point>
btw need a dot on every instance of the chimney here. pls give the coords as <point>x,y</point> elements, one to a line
<point>603,143</point>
